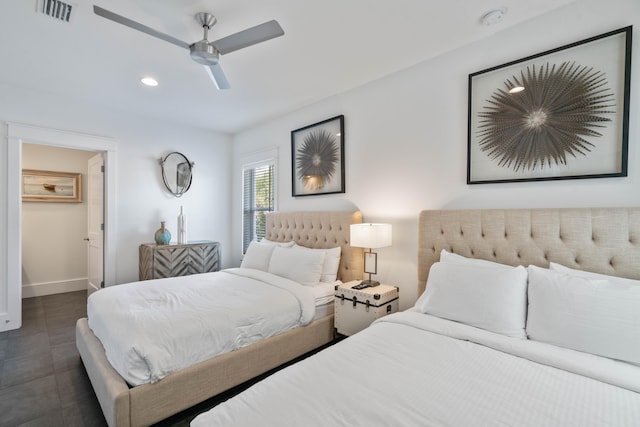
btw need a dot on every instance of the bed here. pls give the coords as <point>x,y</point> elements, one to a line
<point>126,405</point>
<point>491,340</point>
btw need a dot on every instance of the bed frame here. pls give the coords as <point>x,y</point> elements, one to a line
<point>601,240</point>
<point>146,404</point>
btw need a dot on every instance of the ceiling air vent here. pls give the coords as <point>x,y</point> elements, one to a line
<point>56,9</point>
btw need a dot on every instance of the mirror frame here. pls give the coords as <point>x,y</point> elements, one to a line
<point>179,191</point>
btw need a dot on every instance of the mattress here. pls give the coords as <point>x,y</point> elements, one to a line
<point>412,369</point>
<point>323,310</point>
<point>323,293</point>
<point>153,328</point>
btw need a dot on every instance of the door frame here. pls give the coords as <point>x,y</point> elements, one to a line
<point>18,134</point>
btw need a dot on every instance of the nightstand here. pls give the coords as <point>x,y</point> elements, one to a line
<point>355,309</point>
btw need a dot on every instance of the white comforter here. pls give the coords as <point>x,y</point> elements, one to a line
<point>412,369</point>
<point>153,328</point>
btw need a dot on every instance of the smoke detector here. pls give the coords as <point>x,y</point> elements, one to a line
<point>493,16</point>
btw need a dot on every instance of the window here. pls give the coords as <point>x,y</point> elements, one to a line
<point>257,199</point>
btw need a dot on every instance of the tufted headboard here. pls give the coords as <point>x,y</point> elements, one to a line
<point>602,240</point>
<point>320,230</point>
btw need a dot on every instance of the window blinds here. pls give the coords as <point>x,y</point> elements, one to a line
<point>257,200</point>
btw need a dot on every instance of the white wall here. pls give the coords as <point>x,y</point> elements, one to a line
<point>406,140</point>
<point>142,201</point>
<point>54,254</point>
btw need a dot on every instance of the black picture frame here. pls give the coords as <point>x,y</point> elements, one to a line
<point>571,120</point>
<point>317,158</point>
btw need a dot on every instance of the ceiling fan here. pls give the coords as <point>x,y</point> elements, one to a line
<point>205,52</point>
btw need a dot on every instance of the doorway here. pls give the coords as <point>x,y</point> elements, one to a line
<point>11,314</point>
<point>54,249</point>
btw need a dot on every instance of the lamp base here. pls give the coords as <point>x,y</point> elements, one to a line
<point>370,283</point>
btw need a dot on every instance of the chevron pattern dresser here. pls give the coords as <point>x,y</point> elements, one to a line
<point>159,261</point>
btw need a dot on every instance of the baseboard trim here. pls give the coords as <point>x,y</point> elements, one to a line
<point>57,287</point>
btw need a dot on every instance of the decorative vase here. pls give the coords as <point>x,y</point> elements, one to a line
<point>162,236</point>
<point>182,227</point>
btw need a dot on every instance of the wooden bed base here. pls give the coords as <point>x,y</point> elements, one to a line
<point>125,406</point>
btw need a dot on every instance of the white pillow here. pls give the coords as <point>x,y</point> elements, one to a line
<point>449,257</point>
<point>257,256</point>
<point>304,267</point>
<point>594,316</point>
<point>589,275</point>
<point>489,298</point>
<point>288,244</point>
<point>331,262</point>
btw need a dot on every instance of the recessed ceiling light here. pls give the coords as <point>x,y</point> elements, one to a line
<point>149,81</point>
<point>516,89</point>
<point>493,16</point>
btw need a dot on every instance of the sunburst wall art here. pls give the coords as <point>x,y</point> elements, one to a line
<point>317,158</point>
<point>561,114</point>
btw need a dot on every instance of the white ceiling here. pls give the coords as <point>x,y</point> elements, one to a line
<point>329,46</point>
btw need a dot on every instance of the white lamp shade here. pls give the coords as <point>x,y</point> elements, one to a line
<point>370,235</point>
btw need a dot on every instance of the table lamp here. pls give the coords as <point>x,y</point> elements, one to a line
<point>370,236</point>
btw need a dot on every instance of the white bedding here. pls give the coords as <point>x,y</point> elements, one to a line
<point>152,328</point>
<point>413,369</point>
<point>324,293</point>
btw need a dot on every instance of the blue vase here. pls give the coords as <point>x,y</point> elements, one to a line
<point>162,236</point>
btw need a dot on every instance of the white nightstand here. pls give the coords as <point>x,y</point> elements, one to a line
<point>355,309</point>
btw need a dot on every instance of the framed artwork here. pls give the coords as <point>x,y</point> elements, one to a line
<point>49,186</point>
<point>317,158</point>
<point>561,114</point>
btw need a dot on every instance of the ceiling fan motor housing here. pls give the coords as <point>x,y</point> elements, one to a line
<point>204,53</point>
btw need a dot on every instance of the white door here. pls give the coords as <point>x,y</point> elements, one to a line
<point>95,222</point>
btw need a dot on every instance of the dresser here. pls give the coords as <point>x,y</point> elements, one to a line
<point>159,261</point>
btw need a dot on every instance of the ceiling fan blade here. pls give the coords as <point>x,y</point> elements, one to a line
<point>218,77</point>
<point>137,26</point>
<point>248,37</point>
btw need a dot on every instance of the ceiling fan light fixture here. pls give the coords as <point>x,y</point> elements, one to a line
<point>149,81</point>
<point>204,53</point>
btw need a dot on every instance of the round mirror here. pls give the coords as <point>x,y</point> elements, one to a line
<point>176,173</point>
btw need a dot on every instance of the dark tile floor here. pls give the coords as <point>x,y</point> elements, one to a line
<point>42,379</point>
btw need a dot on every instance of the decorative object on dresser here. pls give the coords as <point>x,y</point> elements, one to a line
<point>160,261</point>
<point>49,186</point>
<point>370,236</point>
<point>560,114</point>
<point>355,309</point>
<point>177,173</point>
<point>317,158</point>
<point>182,227</point>
<point>162,235</point>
